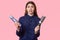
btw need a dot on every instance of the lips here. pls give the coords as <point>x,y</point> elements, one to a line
<point>30,10</point>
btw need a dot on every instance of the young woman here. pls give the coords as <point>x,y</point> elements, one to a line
<point>28,28</point>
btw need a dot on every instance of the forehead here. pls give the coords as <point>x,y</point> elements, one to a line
<point>30,4</point>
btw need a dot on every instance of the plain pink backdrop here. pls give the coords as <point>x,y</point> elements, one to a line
<point>50,29</point>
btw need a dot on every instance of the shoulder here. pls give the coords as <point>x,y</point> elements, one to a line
<point>21,18</point>
<point>37,18</point>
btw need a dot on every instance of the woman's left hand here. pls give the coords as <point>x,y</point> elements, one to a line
<point>36,29</point>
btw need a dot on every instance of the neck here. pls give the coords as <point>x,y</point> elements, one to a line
<point>30,14</point>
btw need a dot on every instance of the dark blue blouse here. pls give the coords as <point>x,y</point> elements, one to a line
<point>28,24</point>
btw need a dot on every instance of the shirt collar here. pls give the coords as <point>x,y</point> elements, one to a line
<point>30,16</point>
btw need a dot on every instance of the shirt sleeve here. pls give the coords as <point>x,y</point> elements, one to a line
<point>38,33</point>
<point>21,30</point>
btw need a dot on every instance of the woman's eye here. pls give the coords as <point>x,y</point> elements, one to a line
<point>28,6</point>
<point>32,6</point>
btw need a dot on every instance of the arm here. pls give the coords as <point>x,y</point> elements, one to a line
<point>19,32</point>
<point>38,34</point>
<point>20,29</point>
<point>37,31</point>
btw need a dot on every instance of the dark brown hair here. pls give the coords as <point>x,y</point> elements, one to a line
<point>35,11</point>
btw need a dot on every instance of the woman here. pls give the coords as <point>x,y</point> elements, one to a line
<point>28,28</point>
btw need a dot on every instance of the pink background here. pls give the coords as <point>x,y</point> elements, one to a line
<point>50,29</point>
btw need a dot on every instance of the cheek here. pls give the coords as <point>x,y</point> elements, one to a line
<point>28,9</point>
<point>32,9</point>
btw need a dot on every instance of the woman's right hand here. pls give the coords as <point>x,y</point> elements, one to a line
<point>17,24</point>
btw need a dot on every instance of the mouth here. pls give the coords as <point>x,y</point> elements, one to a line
<point>30,11</point>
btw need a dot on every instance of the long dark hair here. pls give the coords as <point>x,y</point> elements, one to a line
<point>35,11</point>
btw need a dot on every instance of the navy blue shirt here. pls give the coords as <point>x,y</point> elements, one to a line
<point>28,24</point>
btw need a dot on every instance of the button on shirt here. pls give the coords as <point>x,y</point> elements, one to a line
<point>28,24</point>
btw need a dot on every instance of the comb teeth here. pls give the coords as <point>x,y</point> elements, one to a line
<point>42,19</point>
<point>12,18</point>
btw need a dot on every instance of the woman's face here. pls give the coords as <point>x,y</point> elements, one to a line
<point>30,8</point>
